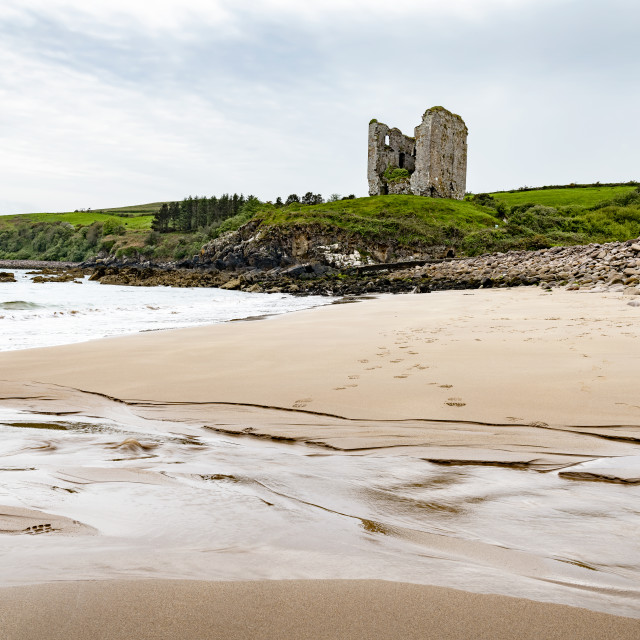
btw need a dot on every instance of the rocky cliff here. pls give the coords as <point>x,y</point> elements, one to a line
<point>255,246</point>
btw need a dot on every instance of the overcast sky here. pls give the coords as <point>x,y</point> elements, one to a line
<point>117,102</point>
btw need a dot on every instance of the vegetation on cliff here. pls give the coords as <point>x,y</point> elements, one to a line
<point>522,219</point>
<point>396,219</point>
<point>482,223</point>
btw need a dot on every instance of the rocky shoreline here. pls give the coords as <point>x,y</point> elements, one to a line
<point>611,265</point>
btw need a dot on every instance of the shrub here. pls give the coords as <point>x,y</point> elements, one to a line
<point>395,174</point>
<point>113,227</point>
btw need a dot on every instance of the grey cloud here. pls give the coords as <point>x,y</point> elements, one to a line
<point>529,81</point>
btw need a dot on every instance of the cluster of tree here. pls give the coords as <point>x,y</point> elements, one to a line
<point>193,214</point>
<point>310,198</point>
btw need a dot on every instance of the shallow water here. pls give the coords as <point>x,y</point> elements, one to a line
<point>47,314</point>
<point>171,500</point>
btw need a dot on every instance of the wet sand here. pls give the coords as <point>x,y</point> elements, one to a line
<point>290,610</point>
<point>497,382</point>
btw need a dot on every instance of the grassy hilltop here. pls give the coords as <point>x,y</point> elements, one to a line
<point>522,219</point>
<point>532,219</point>
<point>80,235</point>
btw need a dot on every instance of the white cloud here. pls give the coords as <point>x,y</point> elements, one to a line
<point>86,142</point>
<point>176,14</point>
<point>104,104</point>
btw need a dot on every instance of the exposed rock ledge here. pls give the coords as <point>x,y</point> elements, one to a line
<point>256,247</point>
<point>615,264</point>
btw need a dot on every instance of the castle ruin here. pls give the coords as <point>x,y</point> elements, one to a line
<point>433,163</point>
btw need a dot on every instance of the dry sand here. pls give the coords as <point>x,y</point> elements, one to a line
<point>511,377</point>
<point>295,610</point>
<point>496,356</point>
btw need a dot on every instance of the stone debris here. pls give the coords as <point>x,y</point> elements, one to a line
<point>615,264</point>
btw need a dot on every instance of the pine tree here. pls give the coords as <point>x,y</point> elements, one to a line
<point>174,216</point>
<point>160,222</point>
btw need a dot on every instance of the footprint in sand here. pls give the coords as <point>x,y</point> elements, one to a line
<point>38,528</point>
<point>445,386</point>
<point>401,376</point>
<point>455,402</point>
<point>363,361</point>
<point>339,388</point>
<point>396,361</point>
<point>301,403</point>
<point>353,377</point>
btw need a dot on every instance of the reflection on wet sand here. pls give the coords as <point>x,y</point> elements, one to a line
<point>215,492</point>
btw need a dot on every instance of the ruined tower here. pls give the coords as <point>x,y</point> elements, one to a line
<point>433,163</point>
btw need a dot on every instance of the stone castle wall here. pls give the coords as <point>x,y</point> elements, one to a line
<point>435,159</point>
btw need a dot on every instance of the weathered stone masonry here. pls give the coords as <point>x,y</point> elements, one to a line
<point>433,163</point>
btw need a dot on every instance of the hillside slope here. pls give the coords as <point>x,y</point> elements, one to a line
<point>342,233</point>
<point>396,228</point>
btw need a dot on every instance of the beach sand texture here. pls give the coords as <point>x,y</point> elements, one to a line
<point>290,610</point>
<point>488,381</point>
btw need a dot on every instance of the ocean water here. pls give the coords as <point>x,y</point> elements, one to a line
<point>48,314</point>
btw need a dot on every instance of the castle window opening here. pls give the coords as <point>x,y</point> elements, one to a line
<point>386,140</point>
<point>401,160</point>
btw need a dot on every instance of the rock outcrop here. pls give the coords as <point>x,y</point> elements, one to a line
<point>258,247</point>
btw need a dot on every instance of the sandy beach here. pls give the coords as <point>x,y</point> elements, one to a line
<point>289,610</point>
<point>524,366</point>
<point>509,388</point>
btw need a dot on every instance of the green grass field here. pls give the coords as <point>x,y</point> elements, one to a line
<point>133,217</point>
<point>581,196</point>
<point>399,218</point>
<point>85,218</point>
